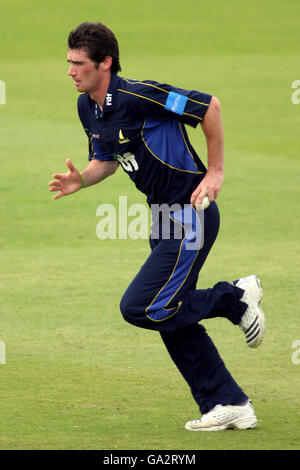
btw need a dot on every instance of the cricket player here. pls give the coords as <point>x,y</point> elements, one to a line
<point>141,126</point>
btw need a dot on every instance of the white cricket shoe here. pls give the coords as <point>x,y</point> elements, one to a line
<point>253,321</point>
<point>225,417</point>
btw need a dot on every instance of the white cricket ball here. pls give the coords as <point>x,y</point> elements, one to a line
<point>204,205</point>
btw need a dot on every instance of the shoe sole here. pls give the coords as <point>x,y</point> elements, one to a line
<point>213,428</point>
<point>241,424</point>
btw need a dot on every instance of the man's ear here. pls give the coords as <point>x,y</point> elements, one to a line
<point>106,63</point>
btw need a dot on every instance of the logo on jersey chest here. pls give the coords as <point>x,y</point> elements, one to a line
<point>122,139</point>
<point>96,136</point>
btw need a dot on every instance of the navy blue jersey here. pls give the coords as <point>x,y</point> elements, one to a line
<point>142,126</point>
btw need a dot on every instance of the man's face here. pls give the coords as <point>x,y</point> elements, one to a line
<point>86,75</point>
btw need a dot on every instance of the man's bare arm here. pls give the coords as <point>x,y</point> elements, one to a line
<point>70,182</point>
<point>212,127</point>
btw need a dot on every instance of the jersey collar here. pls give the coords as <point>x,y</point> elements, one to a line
<point>110,99</point>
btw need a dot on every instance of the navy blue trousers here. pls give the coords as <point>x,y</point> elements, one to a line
<point>163,297</point>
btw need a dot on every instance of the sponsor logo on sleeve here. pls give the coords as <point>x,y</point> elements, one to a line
<point>176,103</point>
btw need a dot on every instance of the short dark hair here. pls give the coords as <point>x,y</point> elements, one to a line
<point>98,41</point>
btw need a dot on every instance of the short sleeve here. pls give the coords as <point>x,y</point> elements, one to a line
<point>161,101</point>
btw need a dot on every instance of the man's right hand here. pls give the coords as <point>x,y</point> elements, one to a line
<point>66,183</point>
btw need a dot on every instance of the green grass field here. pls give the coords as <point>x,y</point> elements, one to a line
<point>76,375</point>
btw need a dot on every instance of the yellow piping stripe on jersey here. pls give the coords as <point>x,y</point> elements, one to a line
<point>180,125</point>
<point>140,96</point>
<point>147,84</point>
<point>157,102</point>
<point>161,89</point>
<point>164,163</point>
<point>199,102</point>
<point>91,143</point>
<point>192,115</point>
<point>92,146</point>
